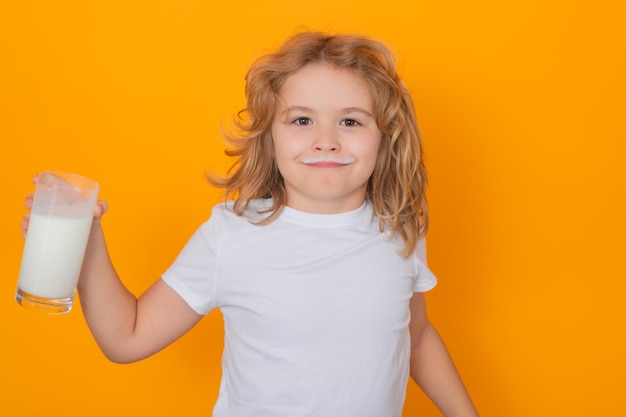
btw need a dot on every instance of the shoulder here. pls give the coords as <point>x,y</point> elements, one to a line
<point>224,221</point>
<point>255,211</point>
<point>426,279</point>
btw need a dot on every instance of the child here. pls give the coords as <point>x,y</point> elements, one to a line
<point>318,264</point>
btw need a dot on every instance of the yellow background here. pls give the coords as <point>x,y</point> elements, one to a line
<point>521,105</point>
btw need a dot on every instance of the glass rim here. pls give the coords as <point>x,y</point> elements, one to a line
<point>75,180</point>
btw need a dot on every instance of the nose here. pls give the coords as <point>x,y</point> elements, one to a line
<point>326,140</point>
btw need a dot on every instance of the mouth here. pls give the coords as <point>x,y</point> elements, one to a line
<point>327,162</point>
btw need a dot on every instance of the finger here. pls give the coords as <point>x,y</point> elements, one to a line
<point>28,202</point>
<point>24,224</point>
<point>101,208</point>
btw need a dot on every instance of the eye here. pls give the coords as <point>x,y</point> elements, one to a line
<point>302,121</point>
<point>350,123</point>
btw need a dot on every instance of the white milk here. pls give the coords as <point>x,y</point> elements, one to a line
<point>53,255</point>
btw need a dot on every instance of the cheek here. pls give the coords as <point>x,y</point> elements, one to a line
<point>283,155</point>
<point>281,151</point>
<point>287,147</point>
<point>369,150</point>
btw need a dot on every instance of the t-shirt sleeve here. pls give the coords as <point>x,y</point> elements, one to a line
<point>193,273</point>
<point>425,279</point>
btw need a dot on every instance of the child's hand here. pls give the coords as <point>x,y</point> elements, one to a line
<point>100,208</point>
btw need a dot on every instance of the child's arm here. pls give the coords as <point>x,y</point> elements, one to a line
<point>127,329</point>
<point>432,367</point>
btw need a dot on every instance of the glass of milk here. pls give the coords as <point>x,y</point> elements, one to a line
<point>60,222</point>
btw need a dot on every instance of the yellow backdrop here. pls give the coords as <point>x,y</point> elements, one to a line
<point>521,105</point>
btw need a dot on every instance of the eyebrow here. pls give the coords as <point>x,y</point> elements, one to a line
<point>310,110</point>
<point>357,110</point>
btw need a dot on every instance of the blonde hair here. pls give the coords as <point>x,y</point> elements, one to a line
<point>396,187</point>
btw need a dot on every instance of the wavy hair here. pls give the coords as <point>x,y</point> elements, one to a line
<point>396,189</point>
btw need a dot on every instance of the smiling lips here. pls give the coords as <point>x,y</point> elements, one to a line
<point>327,162</point>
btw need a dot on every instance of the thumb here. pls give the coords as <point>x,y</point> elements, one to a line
<point>100,208</point>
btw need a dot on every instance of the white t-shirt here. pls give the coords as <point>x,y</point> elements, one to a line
<point>315,307</point>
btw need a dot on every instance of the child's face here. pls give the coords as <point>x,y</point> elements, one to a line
<point>325,139</point>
